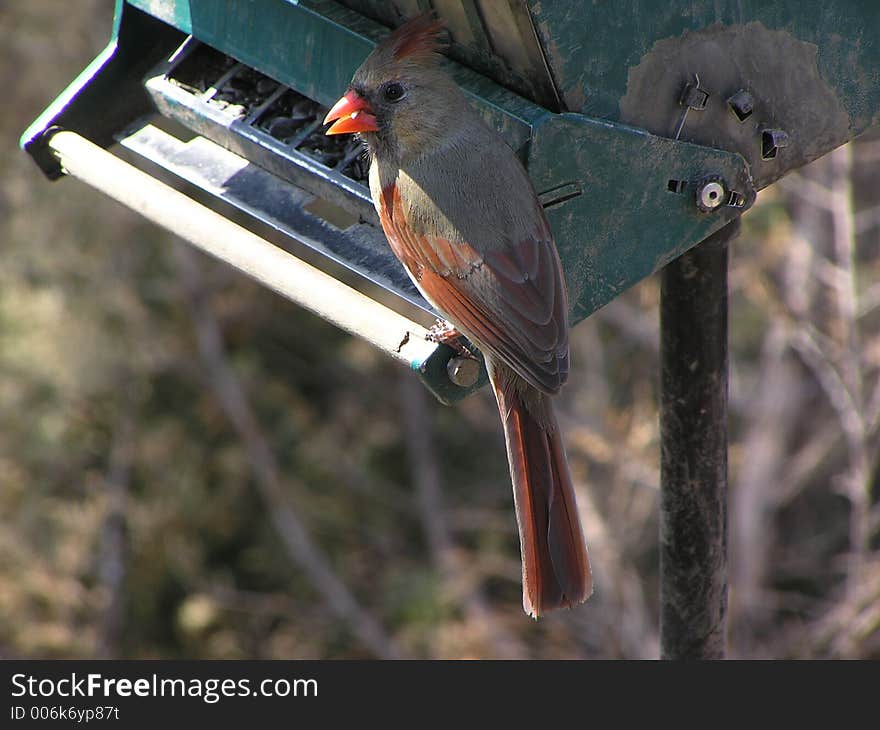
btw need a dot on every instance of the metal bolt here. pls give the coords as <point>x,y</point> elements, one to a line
<point>742,103</point>
<point>463,371</point>
<point>711,194</point>
<point>772,140</point>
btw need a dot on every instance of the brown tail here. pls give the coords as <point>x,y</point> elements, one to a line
<point>555,567</point>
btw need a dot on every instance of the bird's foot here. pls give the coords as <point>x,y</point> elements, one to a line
<point>444,333</point>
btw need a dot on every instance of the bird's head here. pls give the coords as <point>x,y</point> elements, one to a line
<point>400,100</point>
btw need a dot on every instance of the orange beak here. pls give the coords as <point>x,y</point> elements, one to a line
<point>351,114</point>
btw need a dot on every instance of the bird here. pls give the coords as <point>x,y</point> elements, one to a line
<point>460,213</point>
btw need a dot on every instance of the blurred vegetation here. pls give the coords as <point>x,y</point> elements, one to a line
<point>192,467</point>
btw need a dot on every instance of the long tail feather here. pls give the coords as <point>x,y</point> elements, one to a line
<point>556,568</point>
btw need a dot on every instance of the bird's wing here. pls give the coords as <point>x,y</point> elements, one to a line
<point>510,300</point>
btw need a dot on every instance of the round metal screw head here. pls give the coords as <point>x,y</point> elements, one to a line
<point>463,371</point>
<point>711,195</point>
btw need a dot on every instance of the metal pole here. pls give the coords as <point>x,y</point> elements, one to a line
<point>693,433</point>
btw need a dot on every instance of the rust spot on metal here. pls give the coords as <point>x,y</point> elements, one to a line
<point>781,73</point>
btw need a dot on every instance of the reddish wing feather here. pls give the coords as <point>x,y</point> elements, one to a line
<point>512,303</point>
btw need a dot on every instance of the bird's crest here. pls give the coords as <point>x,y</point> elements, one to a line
<point>416,40</point>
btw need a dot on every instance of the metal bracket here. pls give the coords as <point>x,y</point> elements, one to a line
<point>692,97</point>
<point>626,176</point>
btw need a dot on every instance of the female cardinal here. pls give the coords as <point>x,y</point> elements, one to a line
<point>460,213</point>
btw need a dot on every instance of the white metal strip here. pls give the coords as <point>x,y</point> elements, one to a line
<point>347,308</point>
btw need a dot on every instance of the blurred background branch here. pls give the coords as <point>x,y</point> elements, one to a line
<point>230,394</point>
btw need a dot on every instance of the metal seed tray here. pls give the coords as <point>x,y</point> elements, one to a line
<point>268,123</point>
<point>282,159</point>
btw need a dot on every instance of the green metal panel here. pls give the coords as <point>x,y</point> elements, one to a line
<point>626,223</point>
<point>812,66</point>
<point>593,75</point>
<point>316,46</point>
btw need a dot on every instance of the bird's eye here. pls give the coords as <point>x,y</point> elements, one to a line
<point>393,91</point>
